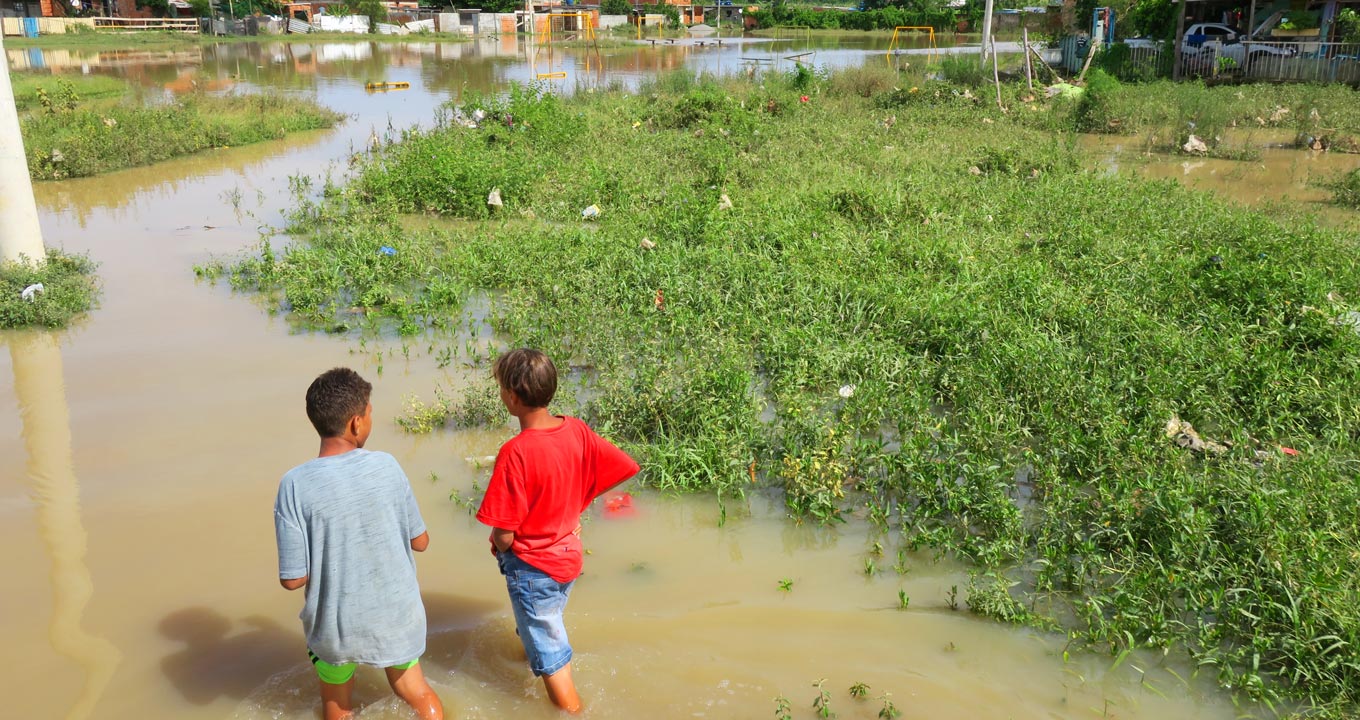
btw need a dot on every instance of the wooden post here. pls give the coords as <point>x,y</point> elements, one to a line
<point>996,76</point>
<point>1029,70</point>
<point>1090,55</point>
<point>1180,38</point>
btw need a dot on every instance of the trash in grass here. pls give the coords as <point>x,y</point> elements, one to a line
<point>32,292</point>
<point>591,212</point>
<point>493,198</point>
<point>1195,146</point>
<point>387,250</point>
<point>647,244</point>
<point>724,202</point>
<point>1184,434</point>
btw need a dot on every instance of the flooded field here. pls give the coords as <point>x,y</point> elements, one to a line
<point>140,452</point>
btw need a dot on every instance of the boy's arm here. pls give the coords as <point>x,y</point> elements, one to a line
<point>421,541</point>
<point>502,539</point>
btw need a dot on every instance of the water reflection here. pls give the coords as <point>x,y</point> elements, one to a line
<point>481,64</point>
<point>47,438</point>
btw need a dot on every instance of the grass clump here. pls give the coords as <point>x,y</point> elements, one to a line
<point>69,290</point>
<point>1346,190</point>
<point>917,310</point>
<point>35,91</point>
<point>68,139</point>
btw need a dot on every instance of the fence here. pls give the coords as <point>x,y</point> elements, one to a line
<point>1254,60</point>
<point>184,25</point>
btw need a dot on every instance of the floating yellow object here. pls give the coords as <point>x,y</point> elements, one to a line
<point>387,86</point>
<point>557,75</point>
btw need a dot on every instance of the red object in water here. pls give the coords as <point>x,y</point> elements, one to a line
<point>1289,451</point>
<point>620,505</point>
<point>803,98</point>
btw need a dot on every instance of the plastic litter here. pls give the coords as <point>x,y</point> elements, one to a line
<point>619,506</point>
<point>1195,146</point>
<point>1183,433</point>
<point>647,244</point>
<point>493,198</point>
<point>591,212</point>
<point>387,250</point>
<point>724,202</point>
<point>32,292</point>
<point>846,391</point>
<point>1289,451</point>
<point>1349,318</point>
<point>659,301</point>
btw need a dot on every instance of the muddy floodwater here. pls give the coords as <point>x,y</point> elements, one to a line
<point>140,451</point>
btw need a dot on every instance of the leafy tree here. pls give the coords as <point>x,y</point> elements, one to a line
<point>1152,18</point>
<point>374,10</point>
<point>616,7</point>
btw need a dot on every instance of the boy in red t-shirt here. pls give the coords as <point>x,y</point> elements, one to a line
<point>544,478</point>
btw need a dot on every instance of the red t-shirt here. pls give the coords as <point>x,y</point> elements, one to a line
<point>542,482</point>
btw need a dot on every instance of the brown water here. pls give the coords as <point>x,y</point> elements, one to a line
<point>1281,174</point>
<point>140,452</point>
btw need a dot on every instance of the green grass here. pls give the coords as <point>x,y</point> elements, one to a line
<point>918,311</point>
<point>70,290</point>
<point>72,140</point>
<point>29,87</point>
<point>1346,190</point>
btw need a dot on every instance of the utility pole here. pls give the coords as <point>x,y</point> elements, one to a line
<point>20,235</point>
<point>1180,38</point>
<point>987,32</point>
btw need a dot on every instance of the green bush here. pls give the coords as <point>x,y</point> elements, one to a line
<point>69,290</point>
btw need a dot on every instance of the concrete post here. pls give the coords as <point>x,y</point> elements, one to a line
<point>20,236</point>
<point>987,31</point>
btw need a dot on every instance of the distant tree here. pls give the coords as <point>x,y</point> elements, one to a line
<point>159,8</point>
<point>616,7</point>
<point>1151,18</point>
<point>374,10</point>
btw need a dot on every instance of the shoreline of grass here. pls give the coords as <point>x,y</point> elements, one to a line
<point>71,139</point>
<point>878,294</point>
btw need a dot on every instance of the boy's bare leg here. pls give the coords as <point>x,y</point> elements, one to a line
<point>562,690</point>
<point>410,685</point>
<point>335,700</point>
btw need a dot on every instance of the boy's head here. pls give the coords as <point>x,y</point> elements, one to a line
<point>529,374</point>
<point>338,405</point>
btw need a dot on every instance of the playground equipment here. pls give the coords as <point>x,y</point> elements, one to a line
<point>581,23</point>
<point>930,34</point>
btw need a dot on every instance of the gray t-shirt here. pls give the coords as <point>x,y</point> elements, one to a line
<point>346,522</point>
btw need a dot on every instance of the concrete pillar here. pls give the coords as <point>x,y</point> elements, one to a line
<point>20,236</point>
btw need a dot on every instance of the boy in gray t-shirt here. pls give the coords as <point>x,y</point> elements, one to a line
<point>346,525</point>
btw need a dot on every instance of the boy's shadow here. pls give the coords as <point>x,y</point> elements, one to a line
<point>218,659</point>
<point>221,657</point>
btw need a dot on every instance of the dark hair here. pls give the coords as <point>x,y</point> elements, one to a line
<point>334,398</point>
<point>529,374</point>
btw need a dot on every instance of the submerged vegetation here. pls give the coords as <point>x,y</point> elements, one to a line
<point>68,290</point>
<point>66,136</point>
<point>887,299</point>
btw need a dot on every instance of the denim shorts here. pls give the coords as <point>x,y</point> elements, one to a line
<point>538,602</point>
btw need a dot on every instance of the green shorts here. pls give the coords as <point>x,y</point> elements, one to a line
<point>341,674</point>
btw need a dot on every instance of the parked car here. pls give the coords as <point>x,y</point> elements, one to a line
<point>1204,41</point>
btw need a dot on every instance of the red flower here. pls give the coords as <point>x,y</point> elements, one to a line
<point>803,98</point>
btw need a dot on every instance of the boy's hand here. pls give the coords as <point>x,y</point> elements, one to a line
<point>420,542</point>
